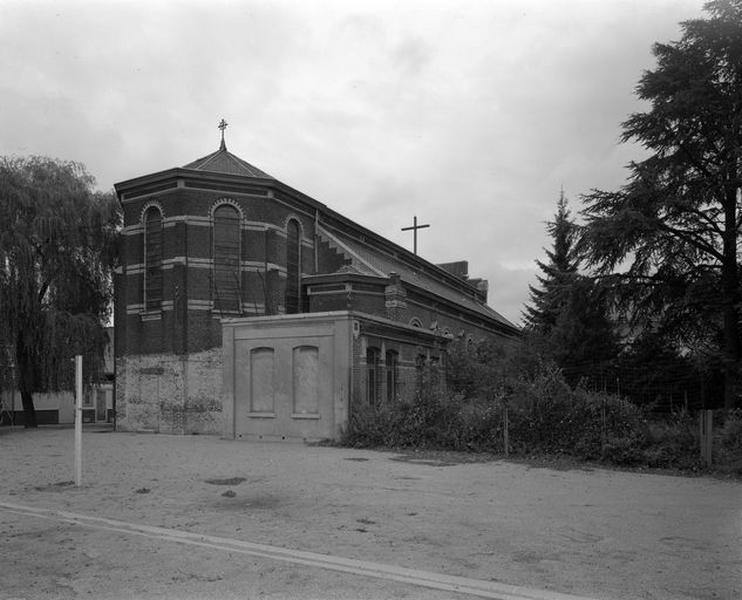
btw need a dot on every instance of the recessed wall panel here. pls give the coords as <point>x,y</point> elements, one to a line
<point>263,380</point>
<point>305,365</point>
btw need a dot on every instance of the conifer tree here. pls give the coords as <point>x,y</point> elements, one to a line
<point>568,316</point>
<point>548,301</point>
<point>669,239</point>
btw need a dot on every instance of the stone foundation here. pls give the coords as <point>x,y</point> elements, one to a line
<point>167,393</point>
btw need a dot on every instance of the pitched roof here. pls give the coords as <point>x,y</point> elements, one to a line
<point>367,260</point>
<point>223,161</point>
<point>364,259</point>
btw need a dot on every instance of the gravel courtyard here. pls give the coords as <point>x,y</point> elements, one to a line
<point>587,532</point>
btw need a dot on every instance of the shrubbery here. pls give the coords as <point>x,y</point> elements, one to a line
<point>728,441</point>
<point>545,416</point>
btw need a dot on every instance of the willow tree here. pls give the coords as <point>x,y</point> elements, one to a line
<point>669,237</point>
<point>57,249</point>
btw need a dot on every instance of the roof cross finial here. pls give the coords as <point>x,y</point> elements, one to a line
<point>222,125</point>
<point>414,229</point>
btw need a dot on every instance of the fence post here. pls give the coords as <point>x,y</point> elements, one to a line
<point>603,428</point>
<point>709,436</point>
<point>78,420</point>
<point>706,423</point>
<point>506,432</point>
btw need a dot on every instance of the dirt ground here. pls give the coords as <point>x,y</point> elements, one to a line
<point>588,532</point>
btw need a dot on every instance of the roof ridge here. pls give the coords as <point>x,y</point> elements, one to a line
<point>223,161</point>
<point>419,276</point>
<point>208,159</point>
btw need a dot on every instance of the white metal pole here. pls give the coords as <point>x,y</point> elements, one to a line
<point>78,420</point>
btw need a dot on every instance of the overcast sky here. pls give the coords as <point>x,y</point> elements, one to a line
<point>469,114</point>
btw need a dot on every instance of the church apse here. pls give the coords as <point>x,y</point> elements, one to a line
<point>199,245</point>
<point>219,240</point>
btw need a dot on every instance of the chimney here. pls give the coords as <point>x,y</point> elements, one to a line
<point>460,268</point>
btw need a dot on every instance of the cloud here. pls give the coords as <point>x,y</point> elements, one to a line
<point>410,57</point>
<point>469,115</point>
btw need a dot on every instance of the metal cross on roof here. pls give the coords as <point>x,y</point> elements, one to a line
<point>222,126</point>
<point>414,229</point>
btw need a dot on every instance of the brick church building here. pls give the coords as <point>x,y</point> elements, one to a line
<point>247,309</point>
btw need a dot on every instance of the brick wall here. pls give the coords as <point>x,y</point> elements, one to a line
<point>187,269</point>
<point>414,350</point>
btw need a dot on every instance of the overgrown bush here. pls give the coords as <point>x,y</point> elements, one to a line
<point>672,442</point>
<point>545,416</point>
<point>728,441</point>
<point>369,427</point>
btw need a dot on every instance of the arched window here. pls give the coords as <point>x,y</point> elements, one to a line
<point>392,374</point>
<point>293,266</point>
<point>152,258</point>
<point>372,376</point>
<point>226,278</point>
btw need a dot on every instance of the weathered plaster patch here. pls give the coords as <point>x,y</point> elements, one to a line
<point>167,393</point>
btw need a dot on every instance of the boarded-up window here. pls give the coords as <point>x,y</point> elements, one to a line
<point>226,275</point>
<point>293,262</point>
<point>262,380</point>
<point>306,379</point>
<point>392,374</point>
<point>372,375</point>
<point>152,258</point>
